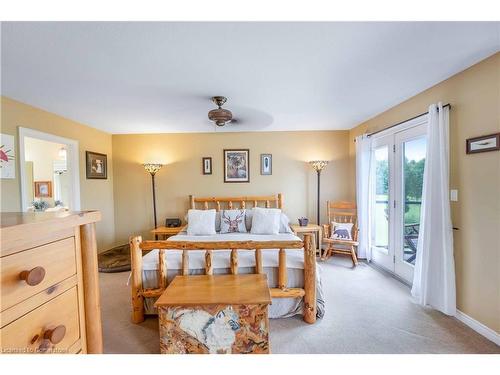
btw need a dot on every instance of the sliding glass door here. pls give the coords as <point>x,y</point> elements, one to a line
<point>398,162</point>
<point>409,166</point>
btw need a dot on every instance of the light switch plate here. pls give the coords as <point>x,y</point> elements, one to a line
<point>454,195</point>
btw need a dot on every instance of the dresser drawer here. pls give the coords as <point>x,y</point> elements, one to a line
<point>41,268</point>
<point>52,327</point>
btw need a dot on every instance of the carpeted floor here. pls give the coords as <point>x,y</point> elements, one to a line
<point>367,312</point>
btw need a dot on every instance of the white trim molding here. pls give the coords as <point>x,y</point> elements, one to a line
<point>423,119</point>
<point>478,327</point>
<point>73,155</point>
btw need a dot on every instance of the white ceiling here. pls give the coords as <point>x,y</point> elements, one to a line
<point>148,77</point>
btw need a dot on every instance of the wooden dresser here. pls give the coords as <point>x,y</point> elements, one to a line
<point>49,284</point>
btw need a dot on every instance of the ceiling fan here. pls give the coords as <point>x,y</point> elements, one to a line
<point>220,116</point>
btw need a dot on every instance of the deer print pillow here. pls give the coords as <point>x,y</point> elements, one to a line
<point>342,231</point>
<point>232,221</point>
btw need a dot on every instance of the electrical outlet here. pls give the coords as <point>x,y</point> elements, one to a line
<point>454,195</point>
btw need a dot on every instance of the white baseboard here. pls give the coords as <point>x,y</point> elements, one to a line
<point>478,327</point>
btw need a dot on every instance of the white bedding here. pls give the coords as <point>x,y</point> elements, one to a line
<point>281,307</point>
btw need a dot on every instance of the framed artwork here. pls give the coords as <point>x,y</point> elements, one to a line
<point>237,165</point>
<point>7,156</point>
<point>207,165</point>
<point>97,165</point>
<point>43,189</point>
<point>483,144</point>
<point>266,164</point>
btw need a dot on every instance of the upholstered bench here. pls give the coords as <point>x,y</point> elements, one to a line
<point>215,314</point>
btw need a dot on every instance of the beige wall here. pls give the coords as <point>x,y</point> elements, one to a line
<point>475,98</point>
<point>183,176</point>
<point>95,194</point>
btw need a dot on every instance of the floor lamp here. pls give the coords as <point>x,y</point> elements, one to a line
<point>152,168</point>
<point>318,166</point>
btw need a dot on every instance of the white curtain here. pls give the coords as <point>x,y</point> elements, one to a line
<point>363,166</point>
<point>434,276</point>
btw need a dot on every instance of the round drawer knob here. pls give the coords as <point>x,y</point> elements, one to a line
<point>34,276</point>
<point>55,335</point>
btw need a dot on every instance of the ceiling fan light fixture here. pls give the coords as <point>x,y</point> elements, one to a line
<point>219,100</point>
<point>219,115</point>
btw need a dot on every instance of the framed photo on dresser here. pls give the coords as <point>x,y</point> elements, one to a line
<point>237,165</point>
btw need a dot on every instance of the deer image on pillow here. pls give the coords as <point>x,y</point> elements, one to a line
<point>233,221</point>
<point>342,231</point>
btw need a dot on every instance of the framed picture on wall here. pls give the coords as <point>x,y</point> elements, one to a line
<point>97,165</point>
<point>237,165</point>
<point>207,165</point>
<point>483,144</point>
<point>43,189</point>
<point>266,164</point>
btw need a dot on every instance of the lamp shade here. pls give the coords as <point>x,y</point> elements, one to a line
<point>152,167</point>
<point>318,165</point>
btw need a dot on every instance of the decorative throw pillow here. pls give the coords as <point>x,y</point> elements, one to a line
<point>342,231</point>
<point>284,222</point>
<point>232,221</point>
<point>265,220</point>
<point>201,222</point>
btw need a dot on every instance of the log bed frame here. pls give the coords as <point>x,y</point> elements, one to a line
<point>137,246</point>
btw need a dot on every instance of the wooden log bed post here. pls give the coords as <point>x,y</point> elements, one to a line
<point>209,270</point>
<point>234,261</point>
<point>162,270</point>
<point>309,280</point>
<point>136,280</point>
<point>282,271</point>
<point>258,261</point>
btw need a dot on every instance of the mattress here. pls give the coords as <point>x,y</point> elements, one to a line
<point>280,307</point>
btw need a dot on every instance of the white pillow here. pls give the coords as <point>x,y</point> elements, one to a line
<point>342,231</point>
<point>248,219</point>
<point>284,222</point>
<point>266,220</point>
<point>232,221</point>
<point>217,221</point>
<point>201,222</point>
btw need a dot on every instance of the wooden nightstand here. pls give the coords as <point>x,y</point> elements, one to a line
<point>167,232</point>
<point>313,229</point>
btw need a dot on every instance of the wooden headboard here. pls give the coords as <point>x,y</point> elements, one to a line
<point>268,201</point>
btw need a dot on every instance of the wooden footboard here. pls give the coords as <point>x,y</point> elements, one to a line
<point>137,246</point>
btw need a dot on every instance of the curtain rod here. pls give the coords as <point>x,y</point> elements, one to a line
<point>402,122</point>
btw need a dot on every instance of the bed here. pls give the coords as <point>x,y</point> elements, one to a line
<point>289,263</point>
